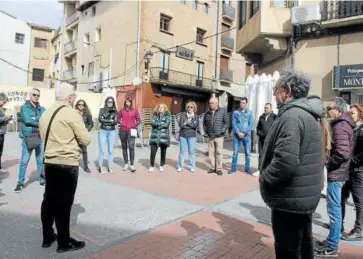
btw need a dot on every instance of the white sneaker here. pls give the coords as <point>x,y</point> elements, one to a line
<point>179,169</point>
<point>151,169</point>
<point>132,168</point>
<point>126,167</point>
<point>161,169</point>
<point>256,174</point>
<point>192,170</point>
<point>110,171</point>
<point>102,171</point>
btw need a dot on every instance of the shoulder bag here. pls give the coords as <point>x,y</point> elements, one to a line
<point>48,129</point>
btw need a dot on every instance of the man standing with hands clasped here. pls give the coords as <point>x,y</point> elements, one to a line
<point>63,131</point>
<point>242,124</point>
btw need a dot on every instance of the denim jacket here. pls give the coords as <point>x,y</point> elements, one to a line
<point>242,122</point>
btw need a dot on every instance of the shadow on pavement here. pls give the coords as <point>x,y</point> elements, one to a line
<point>262,214</point>
<point>32,178</point>
<point>76,210</point>
<point>3,176</point>
<point>10,163</point>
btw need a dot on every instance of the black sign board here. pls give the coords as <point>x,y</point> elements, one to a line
<point>185,53</point>
<point>348,77</point>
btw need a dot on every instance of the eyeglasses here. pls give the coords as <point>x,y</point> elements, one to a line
<point>190,107</point>
<point>36,95</point>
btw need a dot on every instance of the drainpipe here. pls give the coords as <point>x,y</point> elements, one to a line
<point>216,52</point>
<point>138,37</point>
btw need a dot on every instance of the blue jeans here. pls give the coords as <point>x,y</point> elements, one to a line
<point>187,143</point>
<point>334,199</point>
<point>106,137</point>
<point>246,141</point>
<point>25,157</point>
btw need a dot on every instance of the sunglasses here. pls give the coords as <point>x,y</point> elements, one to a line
<point>190,107</point>
<point>36,95</point>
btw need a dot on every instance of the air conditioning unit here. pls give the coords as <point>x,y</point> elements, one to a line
<point>305,14</point>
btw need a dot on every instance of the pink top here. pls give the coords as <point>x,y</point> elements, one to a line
<point>128,119</point>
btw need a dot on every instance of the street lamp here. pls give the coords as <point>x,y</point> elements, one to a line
<point>148,56</point>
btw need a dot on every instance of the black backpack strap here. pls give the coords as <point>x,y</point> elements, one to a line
<point>48,129</point>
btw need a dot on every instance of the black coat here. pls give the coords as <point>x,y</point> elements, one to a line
<point>216,124</point>
<point>263,125</point>
<point>188,128</point>
<point>356,162</point>
<point>160,133</point>
<point>88,122</point>
<point>292,160</point>
<point>108,119</point>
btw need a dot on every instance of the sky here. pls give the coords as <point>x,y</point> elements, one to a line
<point>45,12</point>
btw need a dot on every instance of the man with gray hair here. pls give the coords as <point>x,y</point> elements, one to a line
<point>63,131</point>
<point>216,125</point>
<point>4,120</point>
<point>342,125</point>
<point>291,166</point>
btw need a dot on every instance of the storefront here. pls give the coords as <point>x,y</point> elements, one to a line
<point>348,80</point>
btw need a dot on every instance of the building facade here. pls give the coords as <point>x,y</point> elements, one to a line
<point>40,56</point>
<point>328,49</point>
<point>55,66</point>
<point>101,51</point>
<point>15,40</point>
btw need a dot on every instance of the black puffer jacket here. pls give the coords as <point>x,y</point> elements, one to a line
<point>108,119</point>
<point>263,125</point>
<point>292,160</point>
<point>188,127</point>
<point>216,124</point>
<point>356,162</point>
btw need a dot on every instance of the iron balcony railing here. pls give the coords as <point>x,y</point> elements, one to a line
<point>70,46</point>
<point>228,12</point>
<point>69,74</point>
<point>158,74</point>
<point>72,18</point>
<point>227,42</point>
<point>284,3</point>
<point>226,75</point>
<point>334,9</point>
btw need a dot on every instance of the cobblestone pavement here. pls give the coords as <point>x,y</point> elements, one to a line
<point>149,215</point>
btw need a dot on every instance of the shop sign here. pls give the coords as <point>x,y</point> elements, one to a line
<point>348,77</point>
<point>17,96</point>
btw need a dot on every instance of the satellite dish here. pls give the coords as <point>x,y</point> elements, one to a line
<point>137,81</point>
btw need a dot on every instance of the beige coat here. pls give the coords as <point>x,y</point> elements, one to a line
<point>66,134</point>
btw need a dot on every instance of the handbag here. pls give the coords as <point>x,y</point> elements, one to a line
<point>48,129</point>
<point>33,141</point>
<point>133,133</point>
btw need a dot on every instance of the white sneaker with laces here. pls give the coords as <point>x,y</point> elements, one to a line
<point>161,169</point>
<point>151,169</point>
<point>126,167</point>
<point>132,168</point>
<point>192,170</point>
<point>256,174</point>
<point>179,169</point>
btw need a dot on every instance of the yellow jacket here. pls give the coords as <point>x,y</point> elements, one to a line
<point>67,132</point>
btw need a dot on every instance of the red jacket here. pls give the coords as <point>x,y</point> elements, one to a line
<point>128,119</point>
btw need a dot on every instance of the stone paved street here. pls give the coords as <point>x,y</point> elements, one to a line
<point>143,215</point>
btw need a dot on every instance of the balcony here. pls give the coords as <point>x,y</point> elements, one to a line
<point>227,43</point>
<point>172,77</point>
<point>341,13</point>
<point>226,75</point>
<point>228,12</point>
<point>70,48</point>
<point>72,18</point>
<point>69,75</point>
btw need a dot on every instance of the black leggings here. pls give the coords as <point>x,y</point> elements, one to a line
<point>85,156</point>
<point>2,138</point>
<point>154,149</point>
<point>127,142</point>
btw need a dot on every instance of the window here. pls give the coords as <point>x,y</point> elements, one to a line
<point>98,34</point>
<point>165,22</point>
<point>206,7</point>
<point>38,75</point>
<point>164,61</point>
<point>91,68</point>
<point>242,13</point>
<point>183,2</point>
<point>195,4</point>
<point>40,43</point>
<point>86,39</point>
<point>19,38</point>
<point>94,11</point>
<point>200,35</point>
<point>200,71</point>
<point>255,7</point>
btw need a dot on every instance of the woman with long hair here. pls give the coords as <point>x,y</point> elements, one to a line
<point>160,135</point>
<point>188,124</point>
<point>129,119</point>
<point>357,113</point>
<point>106,136</point>
<point>83,109</point>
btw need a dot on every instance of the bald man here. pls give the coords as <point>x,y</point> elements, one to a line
<point>216,125</point>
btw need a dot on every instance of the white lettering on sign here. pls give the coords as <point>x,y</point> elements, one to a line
<point>353,81</point>
<point>17,96</point>
<point>354,71</point>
